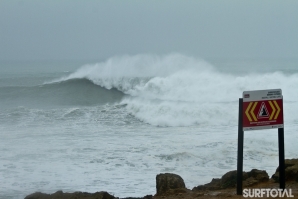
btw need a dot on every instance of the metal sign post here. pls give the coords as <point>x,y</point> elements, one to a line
<point>281,151</point>
<point>261,109</point>
<point>240,149</point>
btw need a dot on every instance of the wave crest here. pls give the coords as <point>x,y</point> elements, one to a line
<point>177,90</point>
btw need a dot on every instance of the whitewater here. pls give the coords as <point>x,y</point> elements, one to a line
<point>114,125</point>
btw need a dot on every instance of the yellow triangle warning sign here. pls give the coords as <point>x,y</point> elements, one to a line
<point>263,111</point>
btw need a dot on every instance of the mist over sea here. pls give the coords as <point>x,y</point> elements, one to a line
<point>114,125</point>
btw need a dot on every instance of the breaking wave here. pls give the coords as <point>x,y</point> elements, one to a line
<point>178,90</point>
<point>81,92</point>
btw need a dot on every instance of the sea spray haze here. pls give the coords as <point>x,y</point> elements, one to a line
<point>116,124</point>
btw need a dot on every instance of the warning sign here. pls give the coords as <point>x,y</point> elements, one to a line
<point>263,112</point>
<point>262,109</point>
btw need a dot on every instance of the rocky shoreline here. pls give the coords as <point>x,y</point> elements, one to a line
<point>172,186</point>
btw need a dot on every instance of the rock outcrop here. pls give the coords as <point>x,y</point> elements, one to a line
<point>168,182</point>
<point>254,177</point>
<point>145,197</point>
<point>291,171</point>
<point>229,180</point>
<point>76,195</point>
<point>172,186</point>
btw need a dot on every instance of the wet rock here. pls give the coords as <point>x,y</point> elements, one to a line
<point>168,182</point>
<point>229,180</point>
<point>291,171</point>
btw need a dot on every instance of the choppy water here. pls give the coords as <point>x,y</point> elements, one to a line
<point>116,124</point>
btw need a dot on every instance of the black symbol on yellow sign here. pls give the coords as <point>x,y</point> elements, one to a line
<point>263,111</point>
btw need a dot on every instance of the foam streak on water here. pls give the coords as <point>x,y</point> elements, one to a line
<point>115,125</point>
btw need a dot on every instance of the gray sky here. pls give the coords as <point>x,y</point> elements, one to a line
<point>98,29</point>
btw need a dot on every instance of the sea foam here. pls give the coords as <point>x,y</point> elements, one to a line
<point>178,90</point>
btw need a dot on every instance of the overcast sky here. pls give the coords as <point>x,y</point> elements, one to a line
<point>99,29</point>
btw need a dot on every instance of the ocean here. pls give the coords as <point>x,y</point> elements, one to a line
<point>113,125</point>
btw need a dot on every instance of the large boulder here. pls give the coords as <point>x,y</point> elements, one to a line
<point>168,182</point>
<point>254,177</point>
<point>291,171</point>
<point>229,180</point>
